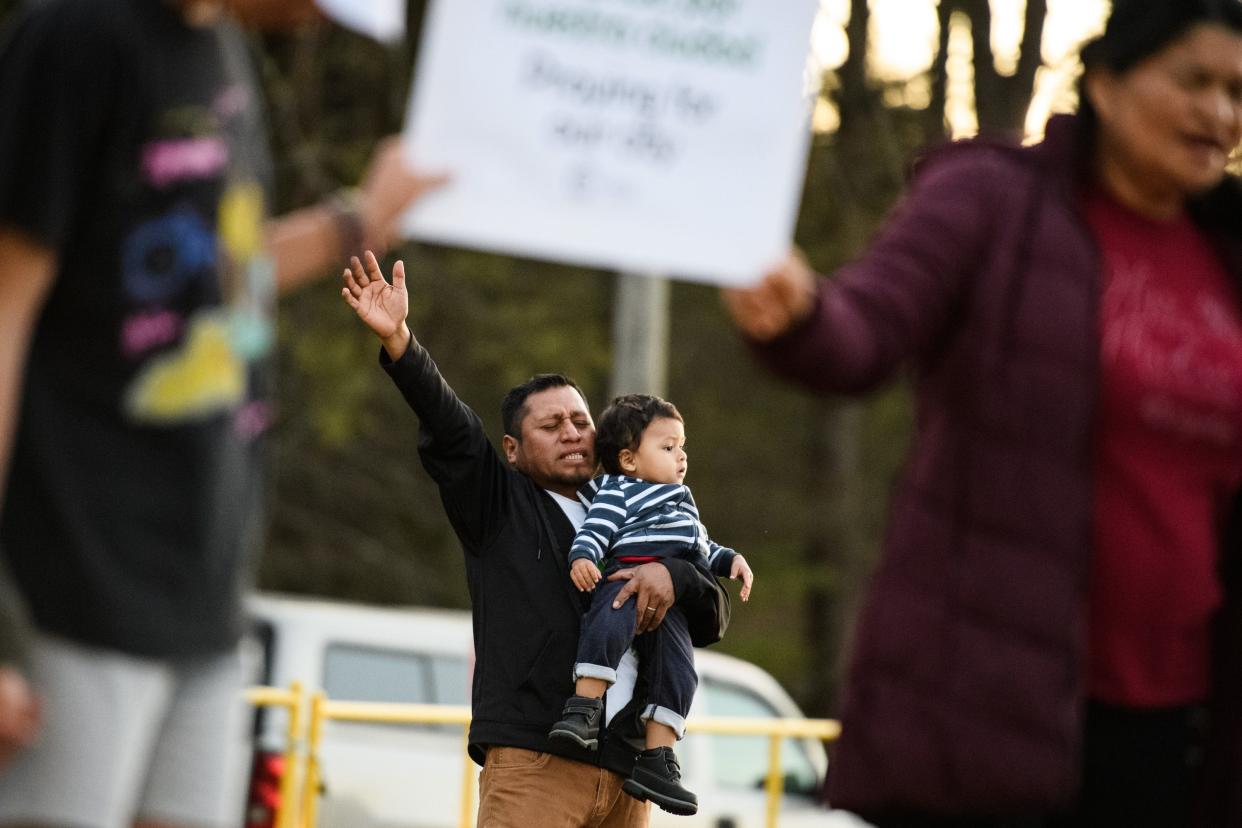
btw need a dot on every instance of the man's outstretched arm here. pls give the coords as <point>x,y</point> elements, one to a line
<point>453,444</point>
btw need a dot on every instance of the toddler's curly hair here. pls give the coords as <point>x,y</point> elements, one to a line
<point>622,424</point>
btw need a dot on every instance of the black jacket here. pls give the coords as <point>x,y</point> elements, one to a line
<point>526,609</point>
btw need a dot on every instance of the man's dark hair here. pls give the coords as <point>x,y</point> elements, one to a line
<point>1139,29</point>
<point>513,406</point>
<point>622,424</point>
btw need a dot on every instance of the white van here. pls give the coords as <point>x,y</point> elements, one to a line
<point>410,776</point>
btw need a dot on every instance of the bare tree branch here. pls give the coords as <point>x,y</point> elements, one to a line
<point>988,84</point>
<point>1030,59</point>
<point>936,125</point>
<point>1001,102</point>
<point>855,94</point>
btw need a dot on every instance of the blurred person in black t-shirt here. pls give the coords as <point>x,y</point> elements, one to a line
<point>138,273</point>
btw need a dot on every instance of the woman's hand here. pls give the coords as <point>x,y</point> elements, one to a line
<point>782,299</point>
<point>381,305</point>
<point>741,571</point>
<point>584,574</point>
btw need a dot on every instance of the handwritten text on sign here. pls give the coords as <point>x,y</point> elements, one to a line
<point>656,136</point>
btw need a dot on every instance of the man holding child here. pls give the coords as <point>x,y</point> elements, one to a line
<point>516,518</point>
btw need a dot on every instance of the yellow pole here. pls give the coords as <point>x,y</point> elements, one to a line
<point>287,815</point>
<point>311,781</point>
<point>776,782</point>
<point>467,782</point>
<point>294,702</point>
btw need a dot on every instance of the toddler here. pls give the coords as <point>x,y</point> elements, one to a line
<point>640,512</point>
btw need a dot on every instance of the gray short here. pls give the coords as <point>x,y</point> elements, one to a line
<point>128,738</point>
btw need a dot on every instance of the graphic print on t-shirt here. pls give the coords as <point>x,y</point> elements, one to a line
<point>165,162</point>
<point>200,286</point>
<point>164,255</point>
<point>1177,341</point>
<point>204,375</point>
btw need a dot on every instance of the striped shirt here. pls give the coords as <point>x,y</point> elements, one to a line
<point>631,518</point>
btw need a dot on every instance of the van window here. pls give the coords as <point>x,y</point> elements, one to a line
<point>450,675</point>
<point>374,674</point>
<point>367,674</point>
<point>742,761</point>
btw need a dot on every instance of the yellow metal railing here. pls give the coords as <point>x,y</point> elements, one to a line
<point>302,811</point>
<point>777,730</point>
<point>323,710</point>
<point>294,701</point>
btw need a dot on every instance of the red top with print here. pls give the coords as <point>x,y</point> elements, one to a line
<point>1168,455</point>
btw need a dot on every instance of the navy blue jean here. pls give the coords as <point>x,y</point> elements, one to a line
<point>665,655</point>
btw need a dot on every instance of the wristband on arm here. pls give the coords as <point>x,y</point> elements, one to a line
<point>349,230</point>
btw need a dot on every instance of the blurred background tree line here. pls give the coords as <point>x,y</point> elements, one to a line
<point>799,485</point>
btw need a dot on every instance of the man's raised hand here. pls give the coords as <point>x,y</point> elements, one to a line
<point>382,306</point>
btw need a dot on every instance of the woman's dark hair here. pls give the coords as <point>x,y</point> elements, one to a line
<point>1138,29</point>
<point>622,424</point>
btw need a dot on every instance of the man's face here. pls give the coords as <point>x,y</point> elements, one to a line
<point>557,449</point>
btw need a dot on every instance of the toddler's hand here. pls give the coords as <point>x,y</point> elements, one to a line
<point>584,574</point>
<point>741,569</point>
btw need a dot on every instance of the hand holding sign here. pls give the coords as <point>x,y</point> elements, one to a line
<point>657,136</point>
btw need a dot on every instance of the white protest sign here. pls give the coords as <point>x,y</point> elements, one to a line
<point>649,136</point>
<point>383,20</point>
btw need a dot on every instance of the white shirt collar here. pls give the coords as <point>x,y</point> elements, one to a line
<point>573,509</point>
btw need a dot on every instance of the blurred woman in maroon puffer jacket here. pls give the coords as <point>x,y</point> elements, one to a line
<point>1053,636</point>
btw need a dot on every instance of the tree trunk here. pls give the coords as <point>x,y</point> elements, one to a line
<point>1030,59</point>
<point>1001,102</point>
<point>936,126</point>
<point>856,97</point>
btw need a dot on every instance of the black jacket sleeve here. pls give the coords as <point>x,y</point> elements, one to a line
<point>702,599</point>
<point>454,449</point>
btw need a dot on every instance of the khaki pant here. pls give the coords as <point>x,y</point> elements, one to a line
<point>521,788</point>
